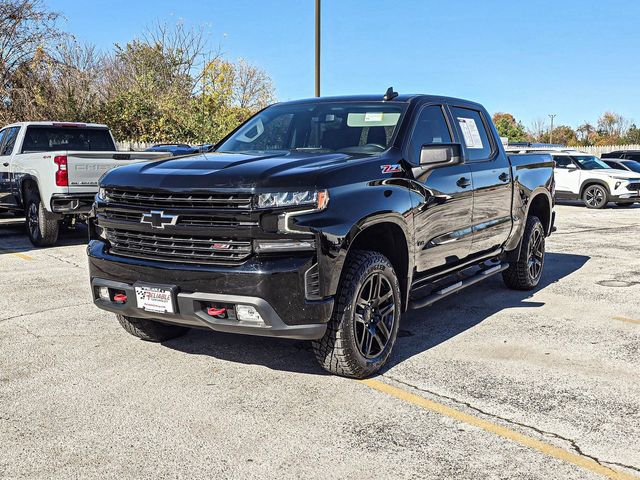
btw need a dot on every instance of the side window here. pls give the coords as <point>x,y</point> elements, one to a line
<point>3,133</point>
<point>633,156</point>
<point>561,162</point>
<point>430,127</point>
<point>9,141</point>
<point>473,132</point>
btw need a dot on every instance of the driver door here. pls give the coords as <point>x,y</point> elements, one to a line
<point>567,175</point>
<point>442,198</point>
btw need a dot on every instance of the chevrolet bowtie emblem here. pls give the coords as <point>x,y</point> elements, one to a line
<point>158,219</point>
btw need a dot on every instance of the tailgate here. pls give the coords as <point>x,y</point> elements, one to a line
<point>86,168</point>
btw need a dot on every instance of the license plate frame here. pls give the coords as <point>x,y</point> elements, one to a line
<point>154,298</point>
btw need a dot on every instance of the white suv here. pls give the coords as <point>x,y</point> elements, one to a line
<point>582,176</point>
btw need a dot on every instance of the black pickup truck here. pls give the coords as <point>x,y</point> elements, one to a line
<point>321,219</point>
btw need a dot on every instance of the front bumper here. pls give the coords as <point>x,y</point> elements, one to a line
<point>274,287</point>
<point>72,202</point>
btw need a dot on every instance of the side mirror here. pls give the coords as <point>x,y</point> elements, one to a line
<point>572,166</point>
<point>441,154</point>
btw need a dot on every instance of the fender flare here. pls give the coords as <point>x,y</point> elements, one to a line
<point>592,181</point>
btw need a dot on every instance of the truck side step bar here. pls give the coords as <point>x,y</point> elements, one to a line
<point>456,287</point>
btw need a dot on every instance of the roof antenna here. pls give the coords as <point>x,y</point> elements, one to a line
<point>390,95</point>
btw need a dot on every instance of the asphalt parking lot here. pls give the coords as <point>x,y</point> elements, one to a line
<point>490,383</point>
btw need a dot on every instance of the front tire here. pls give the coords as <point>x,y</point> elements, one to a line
<point>595,196</point>
<point>150,330</point>
<point>364,325</point>
<point>526,271</point>
<point>42,226</point>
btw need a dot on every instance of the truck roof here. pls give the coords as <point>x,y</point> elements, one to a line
<point>58,124</point>
<point>403,98</point>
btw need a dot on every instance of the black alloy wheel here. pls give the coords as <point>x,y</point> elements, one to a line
<point>375,316</point>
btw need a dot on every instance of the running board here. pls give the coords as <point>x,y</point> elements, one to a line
<point>456,287</point>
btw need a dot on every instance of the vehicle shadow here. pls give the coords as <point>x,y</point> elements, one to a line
<point>610,205</point>
<point>420,330</point>
<point>13,235</point>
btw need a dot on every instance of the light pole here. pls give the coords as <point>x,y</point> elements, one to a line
<point>551,116</point>
<point>317,48</point>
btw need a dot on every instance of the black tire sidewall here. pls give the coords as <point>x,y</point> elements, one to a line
<point>536,226</point>
<point>348,321</point>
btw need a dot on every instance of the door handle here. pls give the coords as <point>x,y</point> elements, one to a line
<point>5,164</point>
<point>504,177</point>
<point>463,182</point>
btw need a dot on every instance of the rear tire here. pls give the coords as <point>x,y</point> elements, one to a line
<point>595,196</point>
<point>364,325</point>
<point>42,226</point>
<point>150,330</point>
<point>525,273</point>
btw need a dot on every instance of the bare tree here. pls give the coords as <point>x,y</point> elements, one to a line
<point>26,27</point>
<point>253,88</point>
<point>538,129</point>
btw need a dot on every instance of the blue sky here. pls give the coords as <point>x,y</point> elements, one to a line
<point>574,58</point>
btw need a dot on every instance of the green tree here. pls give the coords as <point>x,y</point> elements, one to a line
<point>633,135</point>
<point>509,127</point>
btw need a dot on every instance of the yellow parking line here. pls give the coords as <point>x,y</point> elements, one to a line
<point>496,429</point>
<point>23,256</point>
<point>627,320</point>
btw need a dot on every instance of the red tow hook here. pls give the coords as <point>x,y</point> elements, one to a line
<point>120,298</point>
<point>216,312</point>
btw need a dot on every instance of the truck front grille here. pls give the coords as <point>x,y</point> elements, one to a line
<point>634,187</point>
<point>200,220</point>
<point>177,248</point>
<point>219,200</point>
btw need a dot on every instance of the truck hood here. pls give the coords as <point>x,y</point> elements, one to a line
<point>229,170</point>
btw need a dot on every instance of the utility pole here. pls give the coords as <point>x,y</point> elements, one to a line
<point>317,48</point>
<point>552,116</point>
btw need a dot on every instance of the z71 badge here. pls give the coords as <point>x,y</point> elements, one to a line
<point>391,168</point>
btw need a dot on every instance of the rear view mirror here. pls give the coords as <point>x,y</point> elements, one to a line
<point>441,154</point>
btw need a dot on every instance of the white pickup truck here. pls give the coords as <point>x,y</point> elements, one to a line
<point>50,171</point>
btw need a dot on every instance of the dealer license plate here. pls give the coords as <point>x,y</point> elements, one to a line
<point>155,299</point>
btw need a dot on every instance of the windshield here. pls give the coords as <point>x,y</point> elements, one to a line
<point>632,165</point>
<point>349,127</point>
<point>589,162</point>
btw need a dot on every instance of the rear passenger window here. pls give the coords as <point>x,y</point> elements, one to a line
<point>562,162</point>
<point>473,133</point>
<point>10,141</point>
<point>430,127</point>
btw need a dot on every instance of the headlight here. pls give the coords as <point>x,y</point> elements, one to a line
<point>316,199</point>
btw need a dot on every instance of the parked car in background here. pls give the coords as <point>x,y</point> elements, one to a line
<point>204,147</point>
<point>623,155</point>
<point>618,164</point>
<point>49,171</point>
<point>174,149</point>
<point>322,219</point>
<point>580,176</point>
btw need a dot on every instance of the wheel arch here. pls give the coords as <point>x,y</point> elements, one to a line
<point>387,234</point>
<point>594,181</point>
<point>26,182</point>
<point>540,205</point>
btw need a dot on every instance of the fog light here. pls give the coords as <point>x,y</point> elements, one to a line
<point>103,293</point>
<point>266,246</point>
<point>247,313</point>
